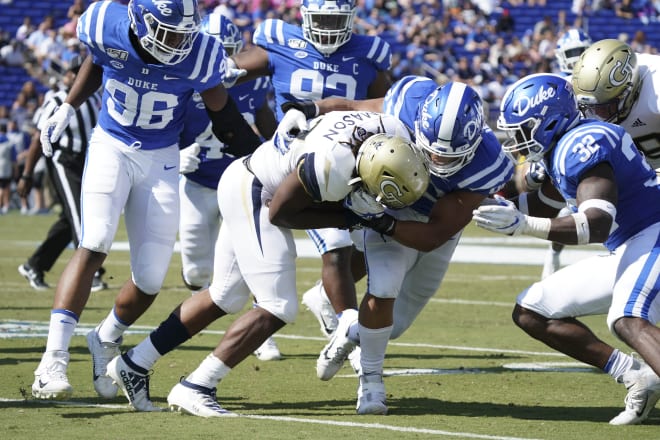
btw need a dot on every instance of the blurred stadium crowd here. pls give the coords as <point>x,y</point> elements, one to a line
<point>488,44</point>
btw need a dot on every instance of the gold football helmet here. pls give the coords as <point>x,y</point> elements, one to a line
<point>606,80</point>
<point>392,169</point>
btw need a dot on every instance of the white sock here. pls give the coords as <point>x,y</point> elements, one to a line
<point>354,332</point>
<point>60,330</point>
<point>111,328</point>
<point>373,343</point>
<point>618,363</point>
<point>144,354</point>
<point>209,372</point>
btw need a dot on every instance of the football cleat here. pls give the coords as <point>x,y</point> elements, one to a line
<point>371,395</point>
<point>268,351</point>
<point>133,381</point>
<point>196,400</point>
<point>34,277</point>
<point>50,381</point>
<point>97,282</point>
<point>102,353</point>
<point>318,303</point>
<point>643,393</point>
<point>335,353</point>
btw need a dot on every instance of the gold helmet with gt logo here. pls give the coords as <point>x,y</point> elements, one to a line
<point>606,80</point>
<point>392,169</point>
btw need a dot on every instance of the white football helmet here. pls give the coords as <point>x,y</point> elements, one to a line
<point>221,26</point>
<point>569,48</point>
<point>165,29</point>
<point>392,170</point>
<point>327,24</point>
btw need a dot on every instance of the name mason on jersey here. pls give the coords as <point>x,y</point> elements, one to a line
<point>351,120</point>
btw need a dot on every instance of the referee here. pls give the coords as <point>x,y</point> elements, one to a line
<point>65,169</point>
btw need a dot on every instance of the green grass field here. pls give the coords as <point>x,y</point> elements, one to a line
<point>451,372</point>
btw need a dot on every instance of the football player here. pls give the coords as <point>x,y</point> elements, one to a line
<point>570,45</point>
<point>405,270</point>
<point>343,157</point>
<point>614,196</point>
<point>320,59</point>
<point>149,57</point>
<point>203,161</point>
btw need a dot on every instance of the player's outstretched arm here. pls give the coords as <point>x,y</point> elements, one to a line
<point>254,60</point>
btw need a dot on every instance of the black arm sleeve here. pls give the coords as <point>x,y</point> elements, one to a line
<point>233,130</point>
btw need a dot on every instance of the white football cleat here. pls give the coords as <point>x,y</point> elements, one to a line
<point>196,400</point>
<point>371,395</point>
<point>318,303</point>
<point>50,381</point>
<point>133,381</point>
<point>102,353</point>
<point>268,351</point>
<point>643,393</point>
<point>335,353</point>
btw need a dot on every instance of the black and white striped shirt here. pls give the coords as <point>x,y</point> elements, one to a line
<point>75,138</point>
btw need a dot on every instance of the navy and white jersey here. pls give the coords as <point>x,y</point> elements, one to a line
<point>300,72</point>
<point>144,104</point>
<point>325,156</point>
<point>593,142</point>
<point>643,122</point>
<point>249,97</point>
<point>487,172</point>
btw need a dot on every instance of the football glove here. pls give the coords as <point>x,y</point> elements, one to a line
<point>188,158</point>
<point>293,122</point>
<point>505,218</point>
<point>363,204</point>
<point>232,73</point>
<point>534,176</point>
<point>55,126</point>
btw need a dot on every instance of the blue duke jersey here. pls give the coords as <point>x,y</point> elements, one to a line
<point>593,142</point>
<point>487,172</point>
<point>249,97</point>
<point>300,72</point>
<point>143,104</point>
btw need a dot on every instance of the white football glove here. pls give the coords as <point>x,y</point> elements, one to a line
<point>504,218</point>
<point>293,122</point>
<point>55,126</point>
<point>534,176</point>
<point>188,158</point>
<point>363,204</point>
<point>232,74</point>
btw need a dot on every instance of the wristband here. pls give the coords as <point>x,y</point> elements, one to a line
<point>308,108</point>
<point>26,177</point>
